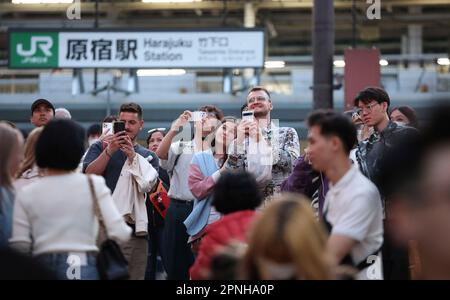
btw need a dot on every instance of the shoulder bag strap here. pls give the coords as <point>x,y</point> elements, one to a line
<point>97,211</point>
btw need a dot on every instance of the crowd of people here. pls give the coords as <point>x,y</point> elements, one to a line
<point>225,197</point>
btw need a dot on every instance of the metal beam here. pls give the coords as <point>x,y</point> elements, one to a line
<point>323,50</point>
<point>89,7</point>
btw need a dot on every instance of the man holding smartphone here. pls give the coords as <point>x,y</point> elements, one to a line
<point>283,141</point>
<point>108,162</point>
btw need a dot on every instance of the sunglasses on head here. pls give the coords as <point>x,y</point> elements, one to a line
<point>156,129</point>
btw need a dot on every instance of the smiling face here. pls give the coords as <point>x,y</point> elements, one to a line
<point>42,114</point>
<point>259,102</point>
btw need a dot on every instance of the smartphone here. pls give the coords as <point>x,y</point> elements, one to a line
<point>105,127</point>
<point>248,115</point>
<point>118,126</point>
<point>198,116</point>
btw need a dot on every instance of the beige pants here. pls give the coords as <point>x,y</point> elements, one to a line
<point>135,252</point>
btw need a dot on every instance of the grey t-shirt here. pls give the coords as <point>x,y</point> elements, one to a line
<point>115,164</point>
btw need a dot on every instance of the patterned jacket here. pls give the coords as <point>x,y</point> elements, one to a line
<point>285,150</point>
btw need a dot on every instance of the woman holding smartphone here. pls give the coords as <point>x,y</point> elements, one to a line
<point>204,171</point>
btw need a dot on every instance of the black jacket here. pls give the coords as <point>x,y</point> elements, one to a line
<point>385,157</point>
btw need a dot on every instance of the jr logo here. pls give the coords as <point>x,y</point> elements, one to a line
<point>43,42</point>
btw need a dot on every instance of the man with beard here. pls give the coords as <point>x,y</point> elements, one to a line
<point>122,148</point>
<point>283,141</point>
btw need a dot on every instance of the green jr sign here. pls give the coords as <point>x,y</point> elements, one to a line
<point>33,50</point>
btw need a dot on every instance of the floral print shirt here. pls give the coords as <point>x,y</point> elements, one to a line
<point>285,147</point>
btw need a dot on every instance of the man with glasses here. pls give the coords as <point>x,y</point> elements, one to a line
<point>282,140</point>
<point>374,156</point>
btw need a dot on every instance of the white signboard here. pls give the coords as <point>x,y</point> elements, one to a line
<point>202,49</point>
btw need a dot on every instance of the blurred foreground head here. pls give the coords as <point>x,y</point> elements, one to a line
<point>286,242</point>
<point>422,210</point>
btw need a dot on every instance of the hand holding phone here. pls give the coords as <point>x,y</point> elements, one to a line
<point>198,116</point>
<point>248,115</point>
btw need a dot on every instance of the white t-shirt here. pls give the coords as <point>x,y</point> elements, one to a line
<point>56,214</point>
<point>353,207</point>
<point>179,187</point>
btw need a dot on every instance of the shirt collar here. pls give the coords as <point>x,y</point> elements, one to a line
<point>345,180</point>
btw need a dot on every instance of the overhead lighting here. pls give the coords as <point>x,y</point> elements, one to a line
<point>170,1</point>
<point>383,62</point>
<point>443,61</point>
<point>160,72</point>
<point>274,64</point>
<point>41,1</point>
<point>339,63</point>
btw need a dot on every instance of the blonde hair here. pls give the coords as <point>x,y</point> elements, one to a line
<point>287,232</point>
<point>10,139</point>
<point>29,150</point>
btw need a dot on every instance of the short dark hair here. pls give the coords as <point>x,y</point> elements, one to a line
<point>61,145</point>
<point>372,93</point>
<point>94,129</point>
<point>334,124</point>
<point>236,191</point>
<point>132,108</point>
<point>410,113</point>
<point>214,109</point>
<point>259,88</point>
<point>110,119</point>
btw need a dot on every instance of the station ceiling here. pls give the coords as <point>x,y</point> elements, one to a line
<point>288,22</point>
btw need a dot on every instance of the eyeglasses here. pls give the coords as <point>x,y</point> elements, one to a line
<point>259,99</point>
<point>367,108</point>
<point>156,129</point>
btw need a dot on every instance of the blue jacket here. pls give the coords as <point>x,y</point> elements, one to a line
<point>198,218</point>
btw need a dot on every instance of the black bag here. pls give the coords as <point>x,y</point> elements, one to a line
<point>111,264</point>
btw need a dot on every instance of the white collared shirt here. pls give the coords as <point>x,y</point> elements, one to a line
<point>353,207</point>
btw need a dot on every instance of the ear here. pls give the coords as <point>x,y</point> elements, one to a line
<point>336,143</point>
<point>270,104</point>
<point>385,107</point>
<point>142,124</point>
